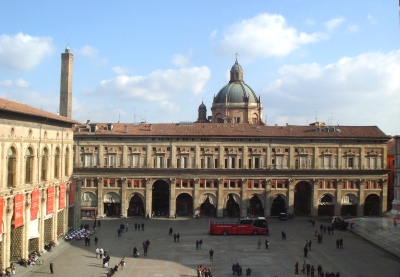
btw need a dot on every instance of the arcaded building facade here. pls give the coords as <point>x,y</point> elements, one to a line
<point>230,164</point>
<point>37,194</point>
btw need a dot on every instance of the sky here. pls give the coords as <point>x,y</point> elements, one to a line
<point>156,61</point>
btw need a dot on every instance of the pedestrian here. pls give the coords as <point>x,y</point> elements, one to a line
<point>119,232</point>
<point>337,274</point>
<point>177,237</point>
<point>394,222</point>
<point>321,227</point>
<point>98,223</point>
<point>315,232</point>
<point>266,244</point>
<point>309,245</point>
<point>305,251</point>
<point>312,271</point>
<point>97,252</point>
<point>283,235</point>
<point>122,264</point>
<point>145,250</point>
<point>51,267</point>
<point>306,243</point>
<point>101,252</point>
<point>303,270</point>
<point>142,226</point>
<point>296,268</point>
<point>197,245</point>
<point>259,244</point>
<point>126,226</point>
<point>308,267</point>
<point>200,243</point>
<point>88,241</point>
<point>341,243</point>
<point>319,270</point>
<point>313,223</point>
<point>211,255</point>
<point>135,226</point>
<point>174,237</point>
<point>95,240</point>
<point>170,231</point>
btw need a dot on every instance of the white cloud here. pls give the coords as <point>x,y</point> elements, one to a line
<point>120,70</point>
<point>353,28</point>
<point>93,54</point>
<point>332,24</point>
<point>169,107</point>
<point>159,86</point>
<point>262,36</point>
<point>181,60</point>
<point>213,34</point>
<point>361,90</point>
<point>371,19</point>
<point>17,83</point>
<point>23,52</point>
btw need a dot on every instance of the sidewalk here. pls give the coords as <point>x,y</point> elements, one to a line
<point>379,231</point>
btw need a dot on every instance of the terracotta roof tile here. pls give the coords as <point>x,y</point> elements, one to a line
<point>16,107</point>
<point>238,130</point>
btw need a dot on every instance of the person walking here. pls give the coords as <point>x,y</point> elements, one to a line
<point>296,268</point>
<point>95,240</point>
<point>315,232</point>
<point>197,245</point>
<point>135,226</point>
<point>309,245</point>
<point>145,250</point>
<point>319,269</point>
<point>101,252</point>
<point>259,244</point>
<point>200,243</point>
<point>308,268</point>
<point>97,252</point>
<point>305,252</point>
<point>321,227</point>
<point>177,237</point>
<point>312,271</point>
<point>394,222</point>
<point>211,255</point>
<point>170,231</point>
<point>51,268</point>
<point>266,244</point>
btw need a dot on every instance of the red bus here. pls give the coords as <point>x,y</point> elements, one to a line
<point>245,226</point>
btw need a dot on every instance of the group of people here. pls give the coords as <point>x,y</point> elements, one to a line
<point>310,270</point>
<point>138,225</point>
<point>339,243</point>
<point>237,270</point>
<point>204,272</point>
<point>199,243</point>
<point>8,271</point>
<point>177,237</point>
<point>146,245</point>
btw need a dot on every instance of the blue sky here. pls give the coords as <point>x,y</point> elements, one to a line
<point>338,61</point>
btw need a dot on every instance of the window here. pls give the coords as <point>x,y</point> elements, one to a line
<point>257,163</point>
<point>11,167</point>
<point>57,163</point>
<point>28,165</point>
<point>239,163</point>
<point>88,182</point>
<point>226,163</point>
<point>88,161</point>
<point>350,162</point>
<point>136,160</point>
<point>250,165</point>
<point>254,120</point>
<point>95,161</point>
<point>201,163</point>
<point>216,163</point>
<point>112,160</point>
<point>237,119</point>
<point>129,160</point>
<point>105,161</point>
<point>327,162</point>
<point>178,163</point>
<point>66,162</point>
<point>161,161</point>
<point>44,163</point>
<point>233,162</point>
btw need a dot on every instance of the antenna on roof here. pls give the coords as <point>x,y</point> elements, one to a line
<point>119,117</point>
<point>331,119</point>
<point>134,115</point>
<point>316,116</point>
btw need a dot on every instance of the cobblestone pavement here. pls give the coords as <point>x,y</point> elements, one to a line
<point>165,258</point>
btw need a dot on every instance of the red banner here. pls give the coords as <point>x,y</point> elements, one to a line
<point>1,214</point>
<point>35,204</point>
<point>61,200</point>
<point>72,193</point>
<point>50,200</point>
<point>18,210</point>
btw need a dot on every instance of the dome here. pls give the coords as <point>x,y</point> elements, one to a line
<point>236,66</point>
<point>236,93</point>
<point>202,106</point>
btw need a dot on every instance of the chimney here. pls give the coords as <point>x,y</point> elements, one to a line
<point>126,129</point>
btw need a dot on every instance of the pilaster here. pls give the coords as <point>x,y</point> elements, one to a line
<point>361,199</point>
<point>55,213</point>
<point>384,196</point>
<point>244,198</point>
<point>124,201</point>
<point>220,204</point>
<point>100,205</point>
<point>267,201</point>
<point>196,197</point>
<point>27,220</point>
<point>290,203</point>
<point>245,157</point>
<point>338,204</point>
<point>148,197</point>
<point>172,199</point>
<point>314,200</point>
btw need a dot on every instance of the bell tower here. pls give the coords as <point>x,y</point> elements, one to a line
<point>67,59</point>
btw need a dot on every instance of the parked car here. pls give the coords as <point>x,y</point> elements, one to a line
<point>283,216</point>
<point>339,223</point>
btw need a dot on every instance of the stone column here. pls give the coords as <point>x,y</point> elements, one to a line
<point>361,198</point>
<point>339,158</point>
<point>27,219</point>
<point>362,158</point>
<point>196,197</point>
<point>316,158</point>
<point>244,198</point>
<point>55,213</point>
<point>245,157</point>
<point>268,157</point>
<point>338,204</point>
<point>124,197</point>
<point>220,204</point>
<point>77,205</point>
<point>42,211</point>
<point>383,203</point>
<point>125,156</point>
<point>314,200</point>
<point>148,196</point>
<point>101,154</point>
<point>172,200</point>
<point>8,213</point>
<point>290,203</point>
<point>173,156</point>
<point>221,157</point>
<point>197,157</point>
<point>267,201</point>
<point>100,205</point>
<point>291,158</point>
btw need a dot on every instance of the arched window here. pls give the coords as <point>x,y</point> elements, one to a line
<point>57,163</point>
<point>44,163</point>
<point>28,165</point>
<point>66,162</point>
<point>11,167</point>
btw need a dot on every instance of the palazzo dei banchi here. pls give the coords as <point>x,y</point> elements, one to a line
<point>55,171</point>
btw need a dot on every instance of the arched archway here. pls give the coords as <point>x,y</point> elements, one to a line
<point>326,205</point>
<point>160,198</point>
<point>255,207</point>
<point>184,204</point>
<point>372,204</point>
<point>208,205</point>
<point>232,207</point>
<point>136,205</point>
<point>278,205</point>
<point>302,198</point>
<point>112,204</point>
<point>349,205</point>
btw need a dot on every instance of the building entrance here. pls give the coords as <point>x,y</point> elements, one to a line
<point>302,198</point>
<point>256,207</point>
<point>278,206</point>
<point>326,205</point>
<point>136,206</point>
<point>184,205</point>
<point>112,204</point>
<point>349,205</point>
<point>371,205</point>
<point>232,207</point>
<point>160,198</point>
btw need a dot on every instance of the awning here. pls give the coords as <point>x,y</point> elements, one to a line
<point>89,208</point>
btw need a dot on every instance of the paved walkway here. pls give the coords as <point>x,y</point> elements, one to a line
<point>166,259</point>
